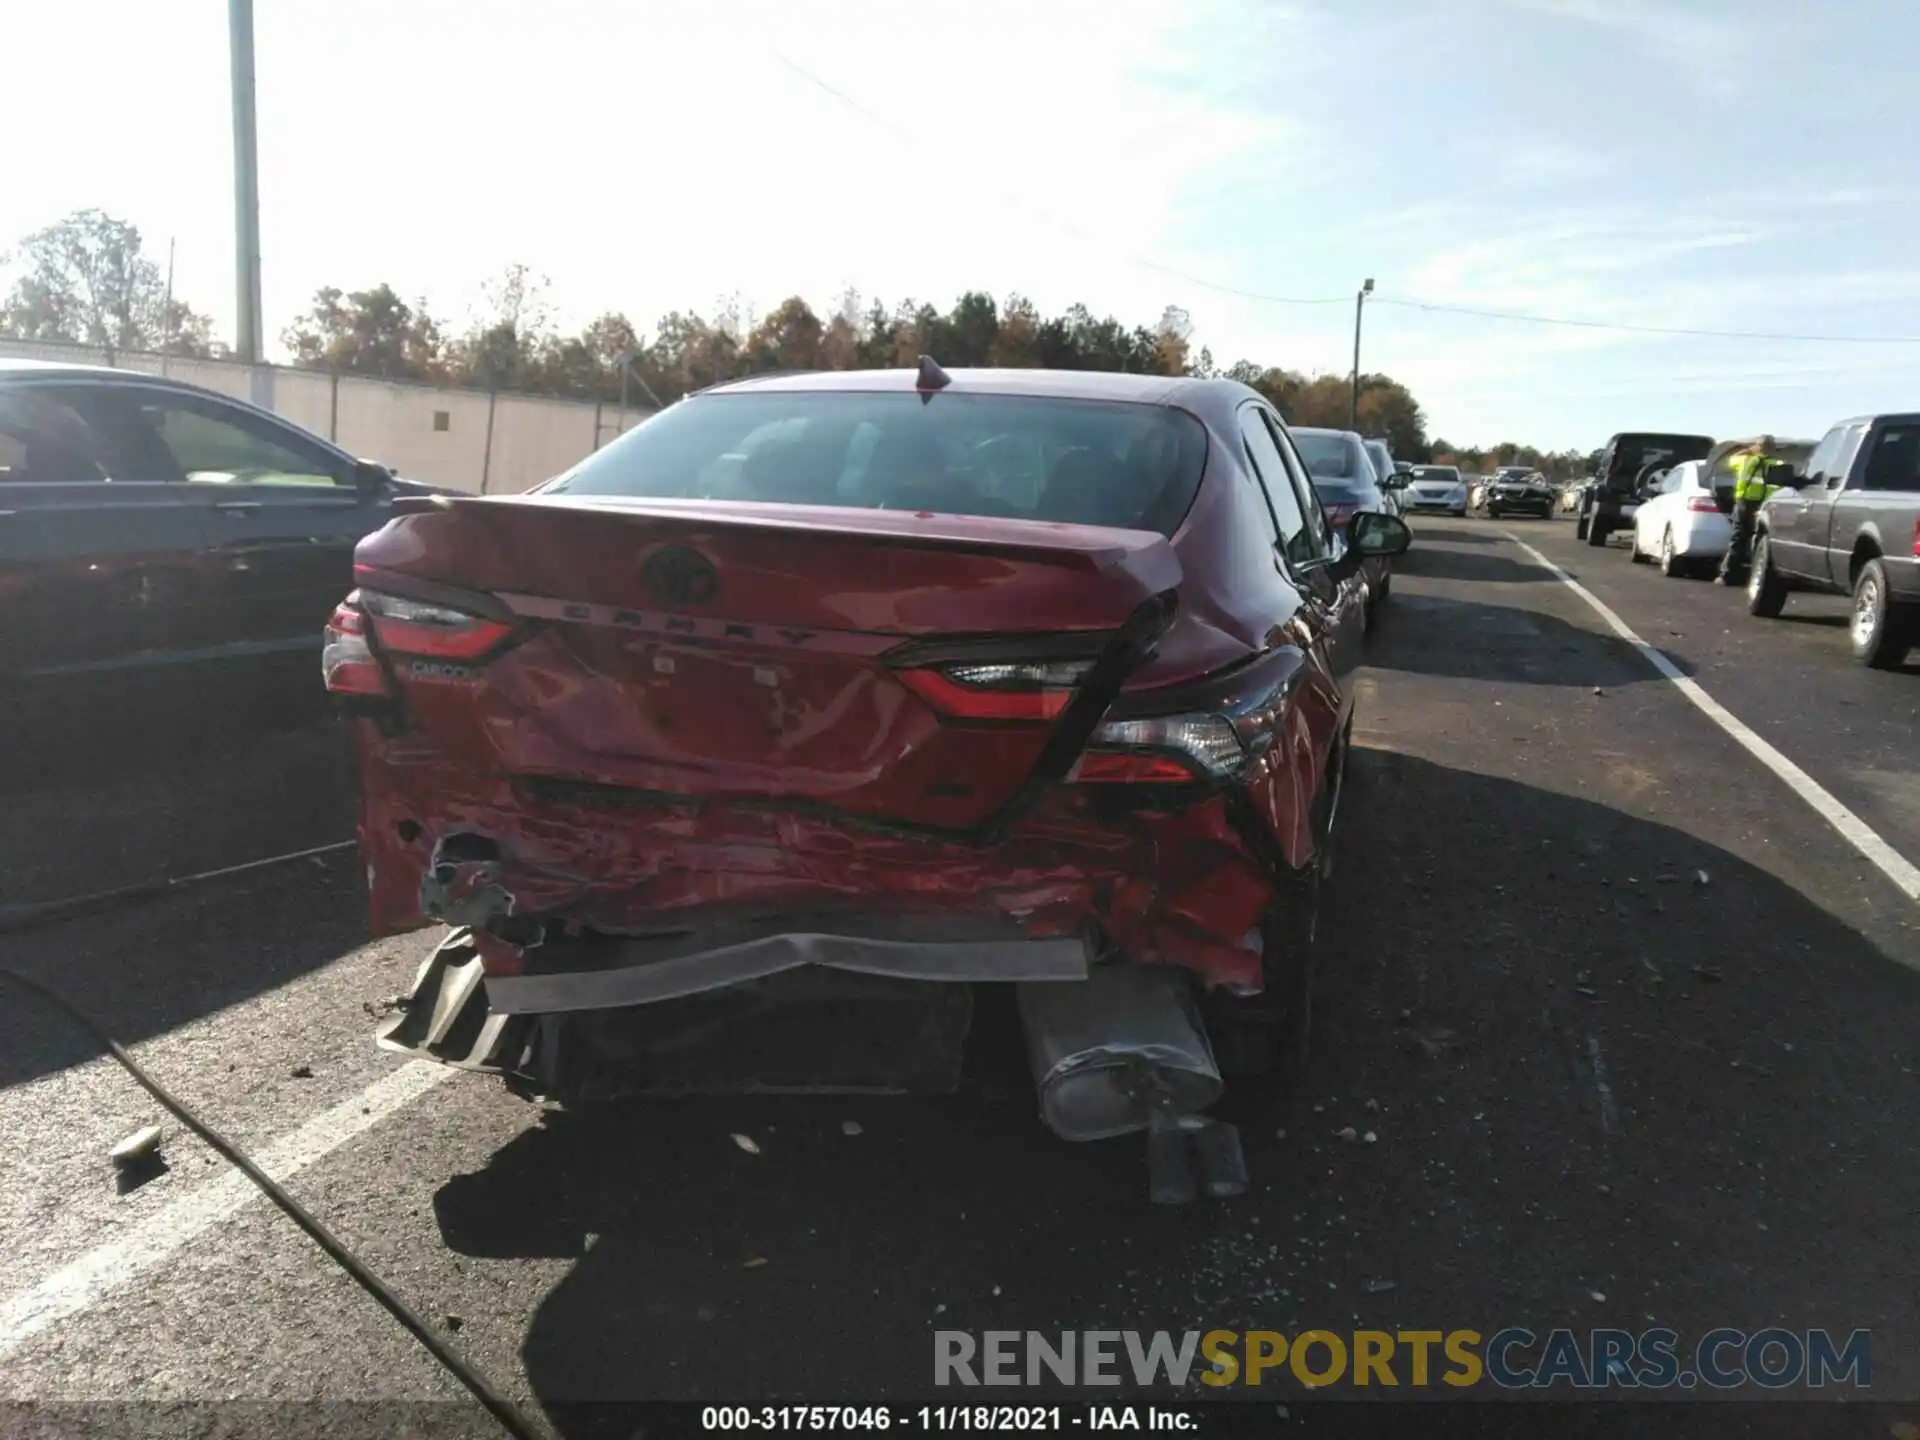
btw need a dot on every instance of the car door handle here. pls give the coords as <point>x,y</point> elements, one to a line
<point>237,507</point>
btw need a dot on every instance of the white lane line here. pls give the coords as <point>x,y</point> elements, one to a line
<point>1890,862</point>
<point>76,1286</point>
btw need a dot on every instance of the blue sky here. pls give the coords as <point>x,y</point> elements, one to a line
<point>1664,163</point>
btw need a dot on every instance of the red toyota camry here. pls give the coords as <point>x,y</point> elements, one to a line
<point>743,752</point>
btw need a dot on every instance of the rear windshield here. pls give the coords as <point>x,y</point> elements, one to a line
<point>1425,472</point>
<point>1332,492</point>
<point>1633,453</point>
<point>1326,456</point>
<point>1084,462</point>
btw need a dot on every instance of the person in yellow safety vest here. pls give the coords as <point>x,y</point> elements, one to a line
<point>1752,469</point>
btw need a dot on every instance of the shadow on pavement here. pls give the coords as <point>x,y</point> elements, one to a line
<point>1456,534</point>
<point>133,787</point>
<point>1599,1100</point>
<point>1438,563</point>
<point>147,969</point>
<point>1507,644</point>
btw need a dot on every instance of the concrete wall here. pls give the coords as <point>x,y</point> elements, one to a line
<point>498,444</point>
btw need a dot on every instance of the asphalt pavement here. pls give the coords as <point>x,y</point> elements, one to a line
<point>1635,1030</point>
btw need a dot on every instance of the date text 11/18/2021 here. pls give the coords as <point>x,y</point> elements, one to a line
<point>940,1419</point>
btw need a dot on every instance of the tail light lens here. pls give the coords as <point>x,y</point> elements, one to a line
<point>1179,749</point>
<point>1916,539</point>
<point>1703,505</point>
<point>347,663</point>
<point>369,621</point>
<point>1012,690</point>
<point>438,632</point>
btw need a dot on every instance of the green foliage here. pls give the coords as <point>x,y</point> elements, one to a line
<point>87,280</point>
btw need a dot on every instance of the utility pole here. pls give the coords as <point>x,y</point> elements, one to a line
<point>166,311</point>
<point>1359,308</point>
<point>246,182</point>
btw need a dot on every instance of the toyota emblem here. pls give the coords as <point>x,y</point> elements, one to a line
<point>680,576</point>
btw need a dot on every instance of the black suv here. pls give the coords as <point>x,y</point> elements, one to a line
<point>1620,478</point>
<point>148,525</point>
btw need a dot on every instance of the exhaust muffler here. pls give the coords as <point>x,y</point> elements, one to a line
<point>1125,1050</point>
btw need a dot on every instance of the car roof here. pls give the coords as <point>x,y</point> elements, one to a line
<point>1897,416</point>
<point>14,369</point>
<point>1054,384</point>
<point>1324,430</point>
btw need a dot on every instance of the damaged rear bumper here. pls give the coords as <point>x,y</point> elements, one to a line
<point>614,971</point>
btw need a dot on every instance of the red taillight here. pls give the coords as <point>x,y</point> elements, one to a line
<point>398,626</point>
<point>1703,505</point>
<point>438,632</point>
<point>1113,767</point>
<point>1916,539</point>
<point>346,663</point>
<point>997,691</point>
<point>1181,749</point>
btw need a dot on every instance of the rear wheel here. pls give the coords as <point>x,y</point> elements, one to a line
<point>1766,591</point>
<point>1881,632</point>
<point>1672,563</point>
<point>1635,553</point>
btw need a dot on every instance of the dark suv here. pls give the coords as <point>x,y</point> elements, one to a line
<point>146,524</point>
<point>1850,526</point>
<point>1631,459</point>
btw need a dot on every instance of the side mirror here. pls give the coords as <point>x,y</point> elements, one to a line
<point>1371,534</point>
<point>370,479</point>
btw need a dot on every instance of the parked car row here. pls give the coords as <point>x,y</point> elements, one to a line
<point>1844,520</point>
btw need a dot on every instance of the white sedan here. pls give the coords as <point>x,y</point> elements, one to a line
<point>1682,525</point>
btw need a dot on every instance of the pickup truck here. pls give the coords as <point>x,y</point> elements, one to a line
<point>1850,526</point>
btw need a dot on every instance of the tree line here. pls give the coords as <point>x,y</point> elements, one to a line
<point>87,280</point>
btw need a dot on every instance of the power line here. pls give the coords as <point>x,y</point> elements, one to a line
<point>1409,303</point>
<point>1403,302</point>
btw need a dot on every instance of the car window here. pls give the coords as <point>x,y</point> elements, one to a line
<point>214,445</point>
<point>45,441</point>
<point>1851,438</point>
<point>1083,462</point>
<point>1318,540</point>
<point>1293,535</point>
<point>1895,461</point>
<point>1327,456</point>
<point>1824,462</point>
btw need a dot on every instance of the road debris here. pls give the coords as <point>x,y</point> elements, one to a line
<point>1380,1287</point>
<point>1369,1138</point>
<point>753,1264</point>
<point>1597,1296</point>
<point>1700,877</point>
<point>1346,1133</point>
<point>301,1072</point>
<point>142,1145</point>
<point>455,1323</point>
<point>1707,972</point>
<point>850,1127</point>
<point>747,1143</point>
